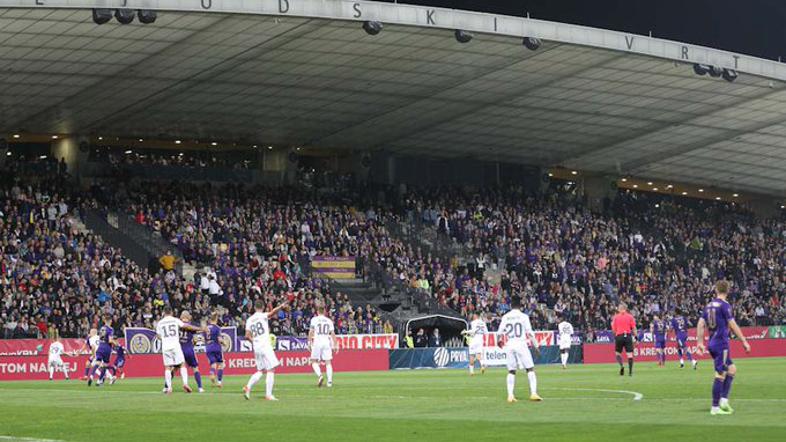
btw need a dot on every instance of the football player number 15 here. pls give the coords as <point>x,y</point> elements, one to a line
<point>170,331</point>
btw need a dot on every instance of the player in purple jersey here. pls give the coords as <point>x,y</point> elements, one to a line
<point>717,317</point>
<point>187,345</point>
<point>680,326</point>
<point>214,352</point>
<point>658,330</point>
<point>104,352</point>
<point>120,363</point>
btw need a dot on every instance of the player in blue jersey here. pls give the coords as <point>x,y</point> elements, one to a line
<point>117,368</point>
<point>104,352</point>
<point>187,345</point>
<point>658,330</point>
<point>214,351</point>
<point>717,317</point>
<point>680,326</point>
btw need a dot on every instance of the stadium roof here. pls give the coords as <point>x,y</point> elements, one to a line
<point>310,76</point>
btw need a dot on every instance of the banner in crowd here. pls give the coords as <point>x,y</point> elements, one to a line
<point>334,267</point>
<point>345,342</point>
<point>777,331</point>
<point>150,365</point>
<point>143,340</point>
<point>645,351</point>
<point>33,347</point>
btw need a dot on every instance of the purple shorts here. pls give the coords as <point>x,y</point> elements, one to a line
<point>190,357</point>
<point>682,339</point>
<point>120,362</point>
<point>103,354</point>
<point>721,358</point>
<point>215,357</point>
<point>660,343</point>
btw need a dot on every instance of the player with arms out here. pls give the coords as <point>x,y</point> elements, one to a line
<point>104,352</point>
<point>168,330</point>
<point>624,327</point>
<point>258,332</point>
<point>55,362</point>
<point>187,345</point>
<point>322,340</point>
<point>476,333</point>
<point>658,331</point>
<point>215,354</point>
<point>565,340</point>
<point>514,330</point>
<point>718,319</point>
<point>680,326</point>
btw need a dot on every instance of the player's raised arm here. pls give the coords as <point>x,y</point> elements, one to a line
<point>738,333</point>
<point>277,308</point>
<point>700,349</point>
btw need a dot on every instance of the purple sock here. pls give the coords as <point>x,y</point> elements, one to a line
<point>727,386</point>
<point>220,374</point>
<point>679,352</point>
<point>690,358</point>
<point>103,374</point>
<point>717,388</point>
<point>87,370</point>
<point>198,377</point>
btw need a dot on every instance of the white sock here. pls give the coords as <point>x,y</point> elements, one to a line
<point>184,375</point>
<point>564,358</point>
<point>65,372</point>
<point>254,379</point>
<point>511,383</point>
<point>168,378</point>
<point>533,382</point>
<point>269,380</point>
<point>51,372</point>
<point>472,368</point>
<point>316,368</point>
<point>724,401</point>
<point>329,370</point>
<point>682,362</point>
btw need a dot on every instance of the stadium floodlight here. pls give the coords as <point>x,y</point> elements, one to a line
<point>716,72</point>
<point>124,16</point>
<point>701,69</point>
<point>730,75</point>
<point>372,27</point>
<point>463,36</point>
<point>147,16</point>
<point>531,43</point>
<point>101,16</point>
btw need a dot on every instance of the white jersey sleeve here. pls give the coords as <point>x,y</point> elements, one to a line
<point>168,331</point>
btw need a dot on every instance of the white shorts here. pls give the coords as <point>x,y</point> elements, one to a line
<point>322,352</point>
<point>564,344</point>
<point>475,347</point>
<point>266,358</point>
<point>55,362</point>
<point>519,358</point>
<point>173,356</point>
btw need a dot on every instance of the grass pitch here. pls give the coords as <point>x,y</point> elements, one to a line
<point>583,403</point>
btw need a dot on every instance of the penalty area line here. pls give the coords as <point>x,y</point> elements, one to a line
<point>636,395</point>
<point>27,439</point>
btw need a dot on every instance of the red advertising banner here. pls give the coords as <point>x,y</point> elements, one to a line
<point>367,342</point>
<point>544,338</point>
<point>645,351</point>
<point>33,347</point>
<point>151,365</point>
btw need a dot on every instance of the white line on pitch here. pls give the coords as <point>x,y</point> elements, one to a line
<point>28,439</point>
<point>636,395</point>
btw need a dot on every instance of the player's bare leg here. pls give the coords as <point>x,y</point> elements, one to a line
<point>618,357</point>
<point>472,365</point>
<point>318,371</point>
<point>533,385</point>
<point>511,382</point>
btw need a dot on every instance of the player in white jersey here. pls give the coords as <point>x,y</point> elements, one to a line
<point>514,330</point>
<point>565,334</point>
<point>258,332</point>
<point>322,340</point>
<point>90,349</point>
<point>476,334</point>
<point>168,331</point>
<point>55,362</point>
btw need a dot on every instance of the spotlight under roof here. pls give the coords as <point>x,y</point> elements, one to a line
<point>730,75</point>
<point>101,15</point>
<point>531,43</point>
<point>463,36</point>
<point>124,16</point>
<point>372,27</point>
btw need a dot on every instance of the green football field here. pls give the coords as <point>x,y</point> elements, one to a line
<point>583,403</point>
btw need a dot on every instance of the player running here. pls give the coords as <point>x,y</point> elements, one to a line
<point>215,354</point>
<point>680,326</point>
<point>187,345</point>
<point>258,332</point>
<point>658,331</point>
<point>565,340</point>
<point>103,353</point>
<point>55,362</point>
<point>718,318</point>
<point>476,333</point>
<point>624,327</point>
<point>168,330</point>
<point>514,330</point>
<point>322,341</point>
<point>90,346</point>
<point>118,367</point>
